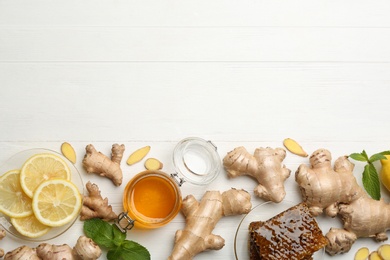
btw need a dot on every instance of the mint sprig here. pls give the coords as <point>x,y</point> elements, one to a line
<point>110,237</point>
<point>370,176</point>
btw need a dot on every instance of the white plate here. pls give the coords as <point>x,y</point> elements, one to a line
<point>260,212</point>
<point>16,162</point>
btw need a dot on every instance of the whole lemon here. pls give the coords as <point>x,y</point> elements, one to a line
<point>385,172</point>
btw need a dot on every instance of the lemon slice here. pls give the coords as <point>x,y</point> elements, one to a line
<point>13,201</point>
<point>29,226</point>
<point>56,202</point>
<point>42,167</point>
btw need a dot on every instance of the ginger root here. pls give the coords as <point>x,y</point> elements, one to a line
<point>202,217</point>
<point>2,235</point>
<point>84,249</point>
<point>96,162</point>
<point>265,166</point>
<point>336,191</point>
<point>94,206</point>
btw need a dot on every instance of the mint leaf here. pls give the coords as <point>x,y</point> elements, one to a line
<point>376,157</point>
<point>119,237</point>
<point>371,181</point>
<point>358,157</point>
<point>100,231</point>
<point>129,250</point>
<point>385,152</point>
<point>109,236</point>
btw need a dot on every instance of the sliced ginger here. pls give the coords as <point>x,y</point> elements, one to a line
<point>153,164</point>
<point>384,251</point>
<point>374,256</point>
<point>294,147</point>
<point>362,254</point>
<point>68,151</point>
<point>138,155</point>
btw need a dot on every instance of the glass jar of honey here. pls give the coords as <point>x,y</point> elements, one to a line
<point>152,198</point>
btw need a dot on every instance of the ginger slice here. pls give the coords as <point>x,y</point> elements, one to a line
<point>153,164</point>
<point>362,254</point>
<point>384,251</point>
<point>138,155</point>
<point>68,151</point>
<point>294,147</point>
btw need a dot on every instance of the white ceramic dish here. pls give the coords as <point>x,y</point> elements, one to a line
<point>261,212</point>
<point>16,162</point>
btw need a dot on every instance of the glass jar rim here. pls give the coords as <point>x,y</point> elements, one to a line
<point>196,160</point>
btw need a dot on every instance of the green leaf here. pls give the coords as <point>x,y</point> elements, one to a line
<point>376,157</point>
<point>358,157</point>
<point>101,232</point>
<point>385,152</point>
<point>371,181</point>
<point>119,237</point>
<point>129,250</point>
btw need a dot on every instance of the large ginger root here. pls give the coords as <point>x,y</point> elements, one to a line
<point>94,206</point>
<point>201,218</point>
<point>96,162</point>
<point>337,191</point>
<point>265,166</point>
<point>84,249</point>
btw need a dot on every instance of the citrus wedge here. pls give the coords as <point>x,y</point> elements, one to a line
<point>56,202</point>
<point>29,226</point>
<point>13,201</point>
<point>42,167</point>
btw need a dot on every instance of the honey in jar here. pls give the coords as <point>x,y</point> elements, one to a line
<point>152,199</point>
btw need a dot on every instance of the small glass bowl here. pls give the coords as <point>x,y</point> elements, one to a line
<point>261,212</point>
<point>16,162</point>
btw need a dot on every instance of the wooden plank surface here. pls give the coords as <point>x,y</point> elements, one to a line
<point>153,72</point>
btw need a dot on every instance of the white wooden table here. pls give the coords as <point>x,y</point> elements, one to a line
<point>153,72</point>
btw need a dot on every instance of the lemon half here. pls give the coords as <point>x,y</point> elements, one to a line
<point>42,167</point>
<point>56,202</point>
<point>13,201</point>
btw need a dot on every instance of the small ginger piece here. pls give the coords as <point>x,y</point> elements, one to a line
<point>94,206</point>
<point>68,151</point>
<point>265,166</point>
<point>362,253</point>
<point>153,164</point>
<point>84,249</point>
<point>2,234</point>
<point>138,155</point>
<point>22,252</point>
<point>201,218</point>
<point>96,162</point>
<point>294,147</point>
<point>384,251</point>
<point>47,251</point>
